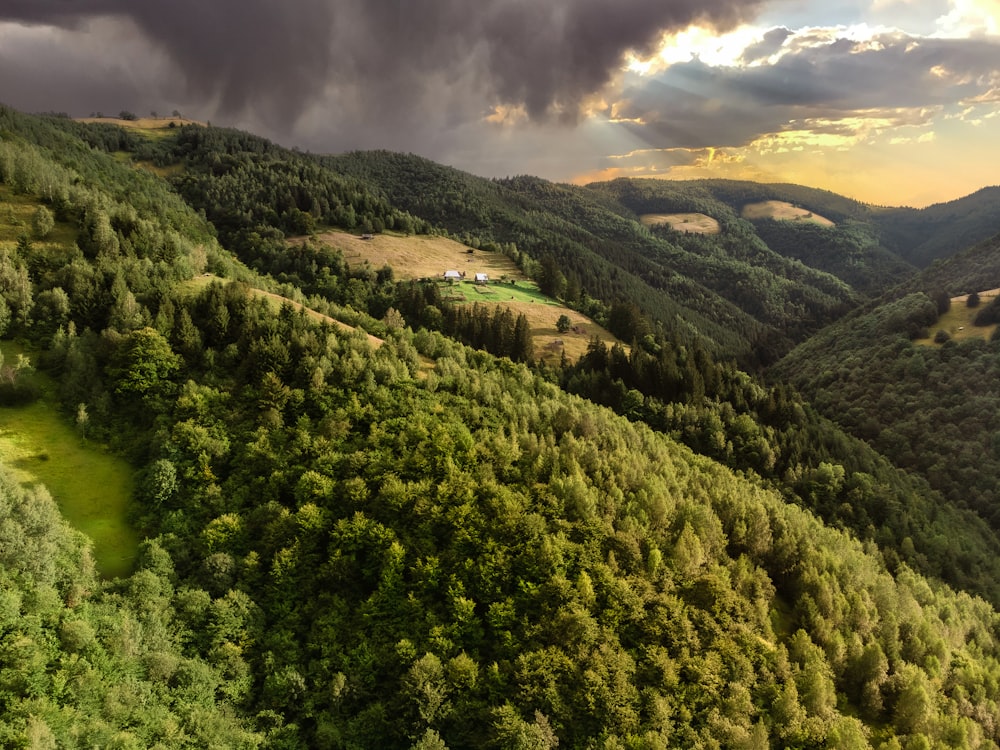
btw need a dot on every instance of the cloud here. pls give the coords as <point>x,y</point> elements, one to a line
<point>767,46</point>
<point>386,55</point>
<point>970,18</point>
<point>819,83</point>
<point>108,68</point>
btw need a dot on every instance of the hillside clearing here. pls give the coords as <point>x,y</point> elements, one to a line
<point>154,127</point>
<point>91,487</point>
<point>957,322</point>
<point>426,257</point>
<point>16,215</point>
<point>694,222</point>
<point>783,211</point>
<point>421,256</point>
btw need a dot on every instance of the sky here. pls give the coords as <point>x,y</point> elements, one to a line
<point>892,102</point>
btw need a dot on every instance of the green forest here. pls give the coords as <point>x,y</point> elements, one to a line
<point>432,541</point>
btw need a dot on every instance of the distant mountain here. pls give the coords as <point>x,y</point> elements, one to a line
<point>850,249</point>
<point>924,235</point>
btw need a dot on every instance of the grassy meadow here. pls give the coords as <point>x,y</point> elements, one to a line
<point>92,487</point>
<point>16,215</point>
<point>420,256</point>
<point>150,127</point>
<point>783,211</point>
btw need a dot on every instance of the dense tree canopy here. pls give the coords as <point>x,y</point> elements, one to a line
<point>421,544</point>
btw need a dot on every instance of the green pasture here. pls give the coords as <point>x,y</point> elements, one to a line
<point>92,487</point>
<point>957,322</point>
<point>495,291</point>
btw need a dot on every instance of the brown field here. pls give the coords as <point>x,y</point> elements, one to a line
<point>958,320</point>
<point>549,343</point>
<point>419,257</point>
<point>151,127</point>
<point>782,211</point>
<point>694,223</point>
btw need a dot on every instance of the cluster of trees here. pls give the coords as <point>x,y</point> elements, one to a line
<point>347,549</point>
<point>989,314</point>
<point>493,328</point>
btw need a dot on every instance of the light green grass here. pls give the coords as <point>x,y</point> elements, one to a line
<point>495,291</point>
<point>957,322</point>
<point>91,486</point>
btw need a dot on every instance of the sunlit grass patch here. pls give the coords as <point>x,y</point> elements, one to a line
<point>17,214</point>
<point>783,211</point>
<point>695,223</point>
<point>92,487</point>
<point>957,322</point>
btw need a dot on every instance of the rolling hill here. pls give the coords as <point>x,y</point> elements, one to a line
<point>344,547</point>
<point>922,236</point>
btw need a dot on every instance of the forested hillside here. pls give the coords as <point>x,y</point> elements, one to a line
<point>849,250</point>
<point>425,545</point>
<point>929,409</point>
<point>742,299</point>
<point>939,231</point>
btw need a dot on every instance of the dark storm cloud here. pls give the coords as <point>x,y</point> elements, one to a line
<point>767,46</point>
<point>696,105</point>
<point>229,51</point>
<point>384,54</point>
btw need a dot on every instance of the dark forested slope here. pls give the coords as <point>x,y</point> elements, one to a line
<point>850,250</point>
<point>939,231</point>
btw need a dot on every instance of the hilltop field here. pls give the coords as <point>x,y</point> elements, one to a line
<point>428,257</point>
<point>691,222</point>
<point>783,211</point>
<point>145,125</point>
